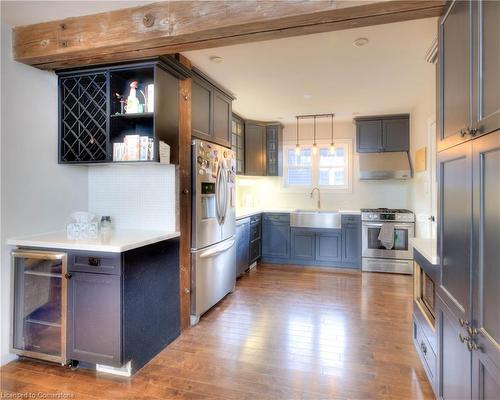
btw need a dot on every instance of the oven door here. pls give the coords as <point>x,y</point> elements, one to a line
<point>373,248</point>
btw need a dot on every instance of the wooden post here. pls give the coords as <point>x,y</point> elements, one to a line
<point>185,193</point>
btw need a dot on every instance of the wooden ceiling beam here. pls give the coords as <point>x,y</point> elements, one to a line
<point>174,26</point>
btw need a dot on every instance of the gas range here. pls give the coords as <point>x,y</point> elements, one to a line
<point>387,214</point>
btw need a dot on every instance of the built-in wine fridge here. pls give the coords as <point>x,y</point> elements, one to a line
<point>39,304</point>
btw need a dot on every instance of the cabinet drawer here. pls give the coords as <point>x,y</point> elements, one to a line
<point>277,218</point>
<point>425,351</point>
<point>254,231</point>
<point>98,263</point>
<point>350,220</point>
<point>254,251</point>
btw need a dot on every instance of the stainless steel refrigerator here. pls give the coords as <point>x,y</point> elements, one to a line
<point>213,250</point>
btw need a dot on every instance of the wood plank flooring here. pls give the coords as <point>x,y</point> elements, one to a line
<point>285,333</point>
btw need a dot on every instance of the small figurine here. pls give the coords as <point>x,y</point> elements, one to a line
<point>132,100</point>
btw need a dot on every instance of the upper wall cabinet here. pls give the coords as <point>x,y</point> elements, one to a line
<point>263,148</point>
<point>382,133</point>
<point>211,111</point>
<point>255,149</point>
<point>468,71</point>
<point>238,143</point>
<point>98,123</point>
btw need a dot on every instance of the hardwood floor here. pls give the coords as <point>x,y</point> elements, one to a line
<point>285,333</point>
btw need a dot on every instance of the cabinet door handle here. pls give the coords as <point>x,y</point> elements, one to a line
<point>67,275</point>
<point>423,347</point>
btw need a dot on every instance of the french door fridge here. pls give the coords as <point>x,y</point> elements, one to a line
<point>213,267</point>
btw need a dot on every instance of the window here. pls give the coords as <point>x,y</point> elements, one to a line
<point>330,171</point>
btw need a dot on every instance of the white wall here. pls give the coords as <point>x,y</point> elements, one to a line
<point>422,191</point>
<point>37,194</point>
<point>267,192</point>
<point>135,196</point>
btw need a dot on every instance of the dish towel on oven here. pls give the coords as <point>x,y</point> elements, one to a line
<point>386,236</point>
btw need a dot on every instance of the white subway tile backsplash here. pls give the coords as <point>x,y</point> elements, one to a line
<point>135,196</point>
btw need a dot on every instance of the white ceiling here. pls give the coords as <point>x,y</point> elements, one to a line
<point>270,79</point>
<point>17,12</point>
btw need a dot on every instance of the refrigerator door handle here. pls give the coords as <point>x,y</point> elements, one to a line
<point>218,195</point>
<point>218,250</point>
<point>226,197</point>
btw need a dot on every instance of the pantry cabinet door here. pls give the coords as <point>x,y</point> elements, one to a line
<point>454,105</point>
<point>486,272</point>
<point>454,227</point>
<point>486,62</point>
<point>202,104</point>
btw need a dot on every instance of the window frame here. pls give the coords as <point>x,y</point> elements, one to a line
<point>315,167</point>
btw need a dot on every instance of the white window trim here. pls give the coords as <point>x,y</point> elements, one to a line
<point>315,168</point>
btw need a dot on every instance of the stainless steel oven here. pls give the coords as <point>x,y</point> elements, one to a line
<point>372,247</point>
<point>376,256</point>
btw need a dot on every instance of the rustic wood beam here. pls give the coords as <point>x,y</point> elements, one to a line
<point>169,27</point>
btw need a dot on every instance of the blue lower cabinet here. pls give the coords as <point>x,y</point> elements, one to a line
<point>328,246</point>
<point>303,244</point>
<point>351,245</point>
<point>276,237</point>
<point>307,246</point>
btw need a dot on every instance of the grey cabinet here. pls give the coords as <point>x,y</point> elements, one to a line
<point>369,136</point>
<point>201,109</point>
<point>255,149</point>
<point>255,238</point>
<point>454,362</point>
<point>486,65</point>
<point>123,307</point>
<point>468,78</point>
<point>94,318</point>
<point>276,236</point>
<point>303,244</point>
<point>454,74</point>
<point>328,246</point>
<point>351,240</point>
<point>486,275</point>
<point>454,226</point>
<point>211,111</point>
<point>242,237</point>
<point>238,143</point>
<point>274,150</point>
<point>382,133</point>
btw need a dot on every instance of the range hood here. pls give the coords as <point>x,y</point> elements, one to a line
<point>385,165</point>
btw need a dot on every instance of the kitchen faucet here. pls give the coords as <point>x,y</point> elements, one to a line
<point>319,196</point>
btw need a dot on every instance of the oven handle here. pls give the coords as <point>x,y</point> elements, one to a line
<point>396,224</point>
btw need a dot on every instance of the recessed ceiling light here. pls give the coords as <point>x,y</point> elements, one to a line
<point>360,42</point>
<point>308,96</point>
<point>216,59</point>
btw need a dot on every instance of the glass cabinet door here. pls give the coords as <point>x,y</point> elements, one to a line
<point>39,326</point>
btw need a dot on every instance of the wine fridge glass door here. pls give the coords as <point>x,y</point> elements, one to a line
<point>39,306</point>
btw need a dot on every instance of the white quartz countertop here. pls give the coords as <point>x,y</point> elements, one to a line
<point>247,212</point>
<point>115,241</point>
<point>426,247</point>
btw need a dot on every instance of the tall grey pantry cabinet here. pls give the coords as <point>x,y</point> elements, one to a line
<point>468,317</point>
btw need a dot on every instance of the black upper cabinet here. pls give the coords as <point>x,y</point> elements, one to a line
<point>255,149</point>
<point>93,118</point>
<point>382,133</point>
<point>468,79</point>
<point>238,143</point>
<point>211,111</point>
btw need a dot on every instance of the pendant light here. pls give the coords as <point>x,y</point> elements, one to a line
<point>297,147</point>
<point>332,143</point>
<point>315,146</point>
